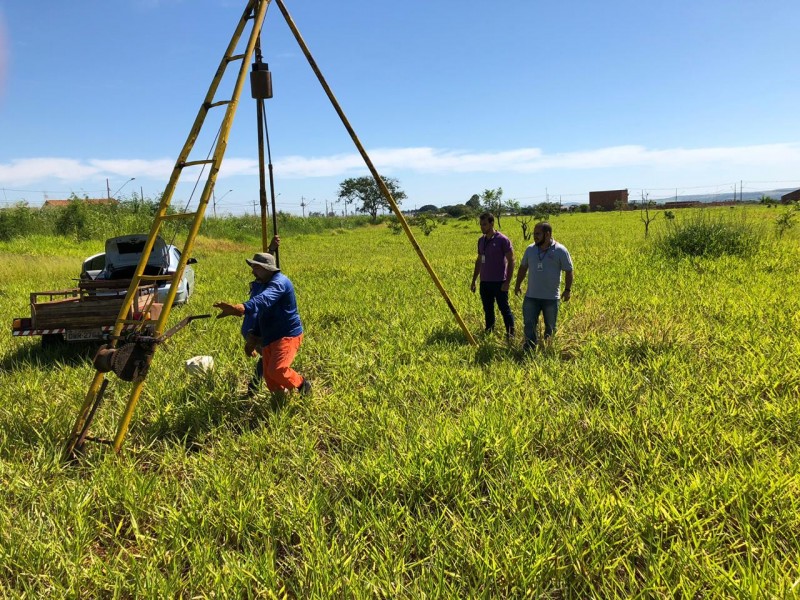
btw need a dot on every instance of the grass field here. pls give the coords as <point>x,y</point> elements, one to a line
<point>651,451</point>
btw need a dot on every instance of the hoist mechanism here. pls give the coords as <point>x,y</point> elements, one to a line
<point>129,355</point>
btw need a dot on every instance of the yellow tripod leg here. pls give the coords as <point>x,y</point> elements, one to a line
<point>83,421</point>
<point>125,421</point>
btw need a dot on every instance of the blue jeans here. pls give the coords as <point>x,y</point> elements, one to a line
<point>490,292</point>
<point>531,307</point>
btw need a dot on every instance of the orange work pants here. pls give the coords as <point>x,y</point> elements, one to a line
<point>277,359</point>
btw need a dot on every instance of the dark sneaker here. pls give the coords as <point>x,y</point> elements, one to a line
<point>253,386</point>
<point>305,387</point>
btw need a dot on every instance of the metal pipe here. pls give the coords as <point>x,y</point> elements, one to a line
<point>262,186</point>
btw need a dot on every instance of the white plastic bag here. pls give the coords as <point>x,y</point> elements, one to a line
<point>199,365</point>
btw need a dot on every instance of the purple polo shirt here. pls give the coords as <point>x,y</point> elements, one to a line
<point>492,253</point>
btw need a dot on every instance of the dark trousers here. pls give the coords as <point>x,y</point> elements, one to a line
<point>258,376</point>
<point>491,293</point>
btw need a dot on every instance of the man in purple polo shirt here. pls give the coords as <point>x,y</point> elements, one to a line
<point>495,264</point>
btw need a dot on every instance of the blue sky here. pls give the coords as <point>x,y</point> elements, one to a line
<point>450,97</point>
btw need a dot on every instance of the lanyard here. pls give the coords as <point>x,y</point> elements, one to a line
<point>486,241</point>
<point>541,255</point>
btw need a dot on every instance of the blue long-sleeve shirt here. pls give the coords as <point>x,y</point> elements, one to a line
<point>251,316</point>
<point>271,313</point>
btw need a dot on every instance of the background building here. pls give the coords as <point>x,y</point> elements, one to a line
<point>608,200</point>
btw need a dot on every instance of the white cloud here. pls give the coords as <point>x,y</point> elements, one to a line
<point>29,170</point>
<point>420,160</point>
<point>529,160</point>
<point>157,169</point>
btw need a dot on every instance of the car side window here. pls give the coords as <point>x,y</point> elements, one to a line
<point>95,263</point>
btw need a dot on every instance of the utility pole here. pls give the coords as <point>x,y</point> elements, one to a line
<point>326,207</point>
<point>303,205</point>
<point>254,207</point>
<point>108,189</point>
<point>741,187</point>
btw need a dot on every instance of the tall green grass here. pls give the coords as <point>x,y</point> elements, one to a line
<point>651,450</point>
<point>712,234</point>
<point>81,222</point>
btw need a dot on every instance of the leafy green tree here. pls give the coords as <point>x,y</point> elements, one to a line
<point>474,202</point>
<point>366,192</point>
<point>74,219</point>
<point>492,201</point>
<point>456,210</point>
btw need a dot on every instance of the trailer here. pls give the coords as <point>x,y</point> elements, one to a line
<point>87,312</point>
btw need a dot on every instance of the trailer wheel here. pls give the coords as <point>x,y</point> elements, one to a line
<point>51,340</point>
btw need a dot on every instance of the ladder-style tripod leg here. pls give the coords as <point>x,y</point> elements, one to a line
<point>86,415</point>
<point>124,423</point>
<point>253,14</point>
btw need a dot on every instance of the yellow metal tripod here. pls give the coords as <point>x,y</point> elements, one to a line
<point>130,360</point>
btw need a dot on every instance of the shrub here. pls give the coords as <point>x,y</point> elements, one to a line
<point>786,221</point>
<point>394,226</point>
<point>424,222</point>
<point>16,222</point>
<point>703,234</point>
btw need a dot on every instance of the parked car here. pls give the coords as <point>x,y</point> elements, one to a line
<point>122,255</point>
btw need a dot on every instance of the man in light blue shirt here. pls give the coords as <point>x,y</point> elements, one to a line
<point>543,262</point>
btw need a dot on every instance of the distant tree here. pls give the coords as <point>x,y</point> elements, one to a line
<point>669,215</point>
<point>428,208</point>
<point>524,221</point>
<point>474,202</point>
<point>366,192</point>
<point>492,201</point>
<point>541,211</point>
<point>512,206</point>
<point>584,208</point>
<point>74,219</point>
<point>456,210</point>
<point>140,205</point>
<point>645,213</point>
<point>768,200</point>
